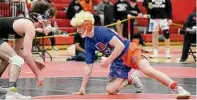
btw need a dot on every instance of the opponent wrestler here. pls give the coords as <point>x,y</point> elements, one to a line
<point>23,30</point>
<point>123,55</point>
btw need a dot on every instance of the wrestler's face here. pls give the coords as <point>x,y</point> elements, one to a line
<point>37,25</point>
<point>82,32</point>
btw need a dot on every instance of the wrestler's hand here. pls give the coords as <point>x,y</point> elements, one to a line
<point>40,79</point>
<point>40,65</point>
<point>105,62</point>
<point>81,92</point>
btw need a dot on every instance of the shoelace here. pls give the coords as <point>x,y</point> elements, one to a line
<point>178,90</point>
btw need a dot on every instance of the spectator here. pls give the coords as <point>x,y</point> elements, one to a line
<point>109,15</point>
<point>19,6</point>
<point>121,8</point>
<point>134,11</point>
<point>161,17</point>
<point>87,5</point>
<point>190,35</point>
<point>100,9</point>
<point>79,44</point>
<point>80,50</point>
<point>73,8</point>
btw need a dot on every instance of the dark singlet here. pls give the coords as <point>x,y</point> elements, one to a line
<point>6,27</point>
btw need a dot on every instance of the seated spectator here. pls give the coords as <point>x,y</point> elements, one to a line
<point>190,28</point>
<point>80,51</point>
<point>100,9</point>
<point>73,8</point>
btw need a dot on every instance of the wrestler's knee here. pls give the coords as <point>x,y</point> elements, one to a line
<point>16,60</point>
<point>149,71</point>
<point>145,67</point>
<point>110,90</point>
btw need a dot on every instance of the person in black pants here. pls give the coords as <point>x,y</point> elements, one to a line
<point>189,35</point>
<point>80,51</point>
<point>120,9</point>
<point>134,11</point>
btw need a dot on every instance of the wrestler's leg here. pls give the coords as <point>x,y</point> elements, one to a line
<point>145,67</point>
<point>8,53</point>
<point>114,85</point>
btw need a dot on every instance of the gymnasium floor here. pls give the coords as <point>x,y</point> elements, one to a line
<point>62,78</point>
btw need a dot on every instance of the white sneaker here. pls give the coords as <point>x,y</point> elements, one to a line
<point>155,53</point>
<point>168,53</point>
<point>181,93</point>
<point>13,95</point>
<point>136,83</point>
<point>55,49</point>
<point>3,90</point>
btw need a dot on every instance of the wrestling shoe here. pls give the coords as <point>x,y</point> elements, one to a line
<point>13,94</point>
<point>3,90</point>
<point>136,83</point>
<point>155,53</point>
<point>168,53</point>
<point>181,93</point>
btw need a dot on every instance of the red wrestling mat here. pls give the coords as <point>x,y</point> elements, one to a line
<point>76,69</point>
<point>119,96</point>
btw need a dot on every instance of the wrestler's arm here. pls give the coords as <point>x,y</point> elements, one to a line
<point>87,73</point>
<point>118,48</point>
<point>90,54</point>
<point>27,54</point>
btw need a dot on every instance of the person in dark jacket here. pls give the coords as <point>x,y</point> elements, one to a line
<point>101,8</point>
<point>134,11</point>
<point>121,7</point>
<point>189,36</point>
<point>73,8</point>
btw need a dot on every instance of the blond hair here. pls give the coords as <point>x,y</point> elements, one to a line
<point>81,17</point>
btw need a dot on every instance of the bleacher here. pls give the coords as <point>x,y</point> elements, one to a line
<point>181,10</point>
